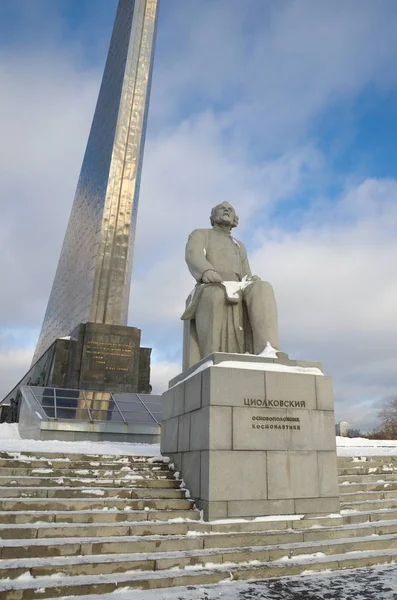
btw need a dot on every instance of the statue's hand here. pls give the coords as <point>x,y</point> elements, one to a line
<point>211,276</point>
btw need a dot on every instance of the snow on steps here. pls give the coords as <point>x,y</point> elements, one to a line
<point>78,525</point>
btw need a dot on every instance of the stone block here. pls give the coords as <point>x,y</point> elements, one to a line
<point>193,393</point>
<point>297,429</point>
<point>168,405</point>
<point>199,429</point>
<point>291,386</point>
<point>318,431</point>
<point>328,474</point>
<point>229,387</point>
<point>213,510</point>
<point>179,399</point>
<point>211,428</point>
<point>316,505</point>
<point>176,459</point>
<point>191,469</point>
<point>184,432</point>
<point>324,392</point>
<point>292,475</point>
<point>228,475</point>
<point>244,540</point>
<point>253,508</point>
<point>262,429</point>
<point>220,436</point>
<point>240,556</point>
<point>169,436</point>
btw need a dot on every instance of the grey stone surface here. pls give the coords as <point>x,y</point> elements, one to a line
<point>316,429</point>
<point>228,475</point>
<point>176,458</point>
<point>229,387</point>
<point>220,437</point>
<point>244,454</point>
<point>184,433</point>
<point>211,428</point>
<point>179,400</point>
<point>214,510</point>
<point>253,508</point>
<point>325,395</point>
<point>214,257</point>
<point>191,469</point>
<point>317,505</point>
<point>200,429</point>
<point>193,393</point>
<point>287,386</point>
<point>250,433</point>
<point>169,436</point>
<point>168,405</point>
<point>328,473</point>
<point>292,475</point>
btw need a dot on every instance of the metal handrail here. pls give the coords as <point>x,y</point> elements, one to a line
<point>38,403</point>
<point>150,413</point>
<point>117,406</point>
<point>83,394</point>
<point>86,406</point>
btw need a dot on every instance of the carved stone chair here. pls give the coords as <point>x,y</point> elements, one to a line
<point>236,335</point>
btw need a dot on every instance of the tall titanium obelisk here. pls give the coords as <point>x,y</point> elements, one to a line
<point>92,281</point>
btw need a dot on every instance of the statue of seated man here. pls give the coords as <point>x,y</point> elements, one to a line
<point>229,310</point>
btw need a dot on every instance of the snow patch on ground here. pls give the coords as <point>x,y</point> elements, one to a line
<point>360,448</point>
<point>11,441</point>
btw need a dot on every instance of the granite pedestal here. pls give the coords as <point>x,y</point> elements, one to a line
<point>251,438</point>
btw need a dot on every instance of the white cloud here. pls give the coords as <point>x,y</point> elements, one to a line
<point>161,373</point>
<point>13,365</point>
<point>45,112</point>
<point>269,67</point>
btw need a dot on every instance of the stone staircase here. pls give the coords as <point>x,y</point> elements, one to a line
<point>79,525</point>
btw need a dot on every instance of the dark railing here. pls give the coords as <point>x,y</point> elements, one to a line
<point>93,406</point>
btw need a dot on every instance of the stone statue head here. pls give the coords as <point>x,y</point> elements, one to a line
<point>224,214</point>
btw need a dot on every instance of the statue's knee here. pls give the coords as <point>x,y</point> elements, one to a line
<point>264,288</point>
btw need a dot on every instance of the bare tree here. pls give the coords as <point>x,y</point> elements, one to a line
<point>388,417</point>
<point>354,433</point>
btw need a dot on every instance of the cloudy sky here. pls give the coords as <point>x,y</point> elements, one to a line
<point>286,109</point>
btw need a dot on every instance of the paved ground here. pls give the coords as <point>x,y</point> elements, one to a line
<point>365,584</point>
<point>375,583</point>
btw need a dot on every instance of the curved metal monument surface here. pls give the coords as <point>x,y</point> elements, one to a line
<point>92,281</point>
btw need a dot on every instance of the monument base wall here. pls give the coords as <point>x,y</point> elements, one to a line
<point>253,436</point>
<point>94,357</point>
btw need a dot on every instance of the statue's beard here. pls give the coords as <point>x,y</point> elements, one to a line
<point>225,221</point>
